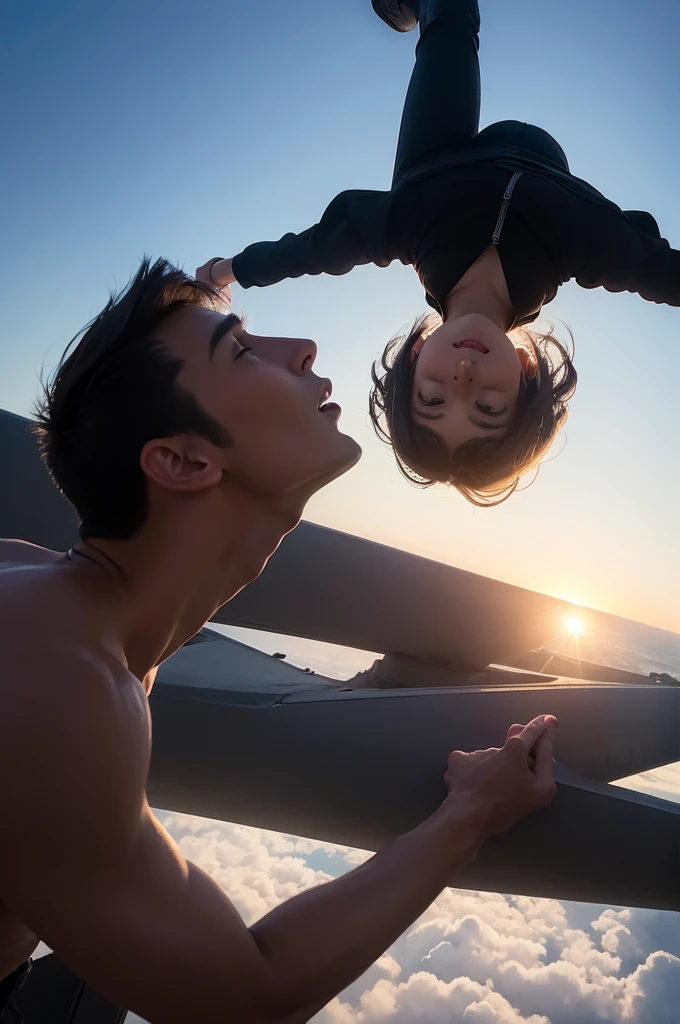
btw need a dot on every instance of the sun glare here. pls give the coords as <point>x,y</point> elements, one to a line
<point>574,626</point>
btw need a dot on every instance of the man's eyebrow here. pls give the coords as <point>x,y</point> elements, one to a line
<point>224,327</point>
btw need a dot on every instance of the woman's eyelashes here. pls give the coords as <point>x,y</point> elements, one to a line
<point>488,410</point>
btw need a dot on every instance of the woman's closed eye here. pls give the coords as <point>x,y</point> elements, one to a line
<point>430,401</point>
<point>488,410</point>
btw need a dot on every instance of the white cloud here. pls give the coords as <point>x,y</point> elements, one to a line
<point>652,991</point>
<point>663,782</point>
<point>635,934</point>
<point>426,999</point>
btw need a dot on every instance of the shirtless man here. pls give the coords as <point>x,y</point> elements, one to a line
<point>189,448</point>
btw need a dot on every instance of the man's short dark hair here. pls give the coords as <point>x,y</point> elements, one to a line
<point>115,389</point>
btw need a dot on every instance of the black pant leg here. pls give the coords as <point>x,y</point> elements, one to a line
<point>9,988</point>
<point>443,101</point>
<point>53,994</point>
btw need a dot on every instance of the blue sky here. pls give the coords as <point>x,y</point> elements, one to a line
<point>190,132</point>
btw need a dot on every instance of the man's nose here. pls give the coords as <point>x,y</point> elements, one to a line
<point>296,354</point>
<point>301,354</point>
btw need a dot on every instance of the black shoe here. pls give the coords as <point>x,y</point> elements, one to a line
<point>402,17</point>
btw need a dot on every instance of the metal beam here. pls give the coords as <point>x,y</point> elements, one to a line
<point>324,724</point>
<point>362,767</point>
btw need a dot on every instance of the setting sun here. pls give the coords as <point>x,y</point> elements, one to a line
<point>574,626</point>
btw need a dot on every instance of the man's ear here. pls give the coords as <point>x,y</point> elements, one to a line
<point>528,362</point>
<point>185,463</point>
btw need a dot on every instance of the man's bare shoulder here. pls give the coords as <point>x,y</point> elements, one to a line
<point>41,601</point>
<point>32,581</point>
<point>76,721</point>
<point>57,650</point>
<point>14,552</point>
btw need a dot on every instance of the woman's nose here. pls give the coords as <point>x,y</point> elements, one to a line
<point>463,374</point>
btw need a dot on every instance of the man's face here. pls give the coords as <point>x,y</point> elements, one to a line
<point>264,392</point>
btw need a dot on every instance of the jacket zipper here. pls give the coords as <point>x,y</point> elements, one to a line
<point>496,237</point>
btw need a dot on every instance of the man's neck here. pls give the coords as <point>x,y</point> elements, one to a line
<point>185,564</point>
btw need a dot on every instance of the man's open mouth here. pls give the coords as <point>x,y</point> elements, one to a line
<point>325,393</point>
<point>324,404</point>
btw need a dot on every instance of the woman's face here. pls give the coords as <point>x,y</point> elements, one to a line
<point>467,379</point>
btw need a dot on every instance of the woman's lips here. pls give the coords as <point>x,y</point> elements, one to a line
<point>472,343</point>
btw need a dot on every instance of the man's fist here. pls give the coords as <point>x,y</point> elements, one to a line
<point>509,782</point>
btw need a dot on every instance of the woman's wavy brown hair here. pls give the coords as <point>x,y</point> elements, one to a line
<point>486,471</point>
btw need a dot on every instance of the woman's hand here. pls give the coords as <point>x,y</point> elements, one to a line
<point>217,273</point>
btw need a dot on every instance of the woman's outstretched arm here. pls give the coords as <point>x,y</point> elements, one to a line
<point>350,233</point>
<point>625,253</point>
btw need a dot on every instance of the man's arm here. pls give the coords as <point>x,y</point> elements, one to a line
<point>626,253</point>
<point>90,871</point>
